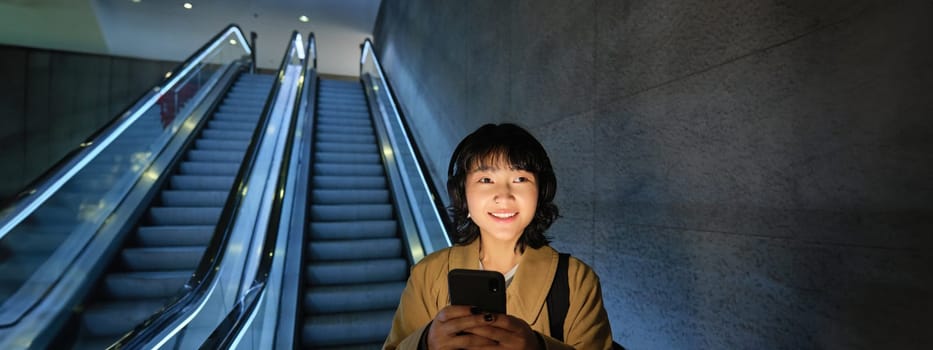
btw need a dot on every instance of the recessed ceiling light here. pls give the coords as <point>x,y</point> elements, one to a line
<point>188,5</point>
<point>303,18</point>
<point>137,1</point>
<point>232,41</point>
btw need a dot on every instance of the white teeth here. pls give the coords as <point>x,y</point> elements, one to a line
<point>504,215</point>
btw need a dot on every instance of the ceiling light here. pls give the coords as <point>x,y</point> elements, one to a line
<point>137,1</point>
<point>232,41</point>
<point>188,5</point>
<point>303,19</point>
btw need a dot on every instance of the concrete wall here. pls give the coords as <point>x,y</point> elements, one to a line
<point>741,174</point>
<point>51,101</point>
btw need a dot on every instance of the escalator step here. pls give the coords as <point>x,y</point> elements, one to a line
<point>205,144</point>
<point>167,236</point>
<point>343,130</point>
<point>145,285</point>
<point>351,212</point>
<point>350,196</point>
<point>348,158</point>
<point>197,155</point>
<point>209,168</point>
<point>331,147</point>
<point>193,198</point>
<point>347,328</point>
<point>200,182</point>
<point>116,318</point>
<point>348,169</point>
<point>242,136</point>
<point>351,272</point>
<point>349,298</point>
<point>353,230</point>
<point>184,215</point>
<point>356,249</point>
<point>347,138</point>
<point>354,182</point>
<point>162,258</point>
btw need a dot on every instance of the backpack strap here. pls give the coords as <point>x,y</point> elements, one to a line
<point>558,298</point>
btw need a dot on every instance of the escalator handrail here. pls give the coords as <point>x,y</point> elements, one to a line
<point>439,207</point>
<point>26,201</point>
<point>224,335</point>
<point>198,285</point>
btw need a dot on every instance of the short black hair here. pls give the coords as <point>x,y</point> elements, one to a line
<point>485,146</point>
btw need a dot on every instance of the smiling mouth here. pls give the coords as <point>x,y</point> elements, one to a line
<point>503,215</point>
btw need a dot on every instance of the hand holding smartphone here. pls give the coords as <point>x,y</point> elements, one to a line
<point>482,289</point>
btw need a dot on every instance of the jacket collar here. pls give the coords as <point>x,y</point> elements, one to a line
<point>530,285</point>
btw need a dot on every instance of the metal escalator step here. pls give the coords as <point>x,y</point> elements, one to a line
<point>242,136</point>
<point>167,236</point>
<point>349,298</point>
<point>348,158</point>
<point>221,145</point>
<point>354,182</point>
<point>347,138</point>
<point>145,285</point>
<point>209,168</point>
<point>116,318</point>
<point>184,215</point>
<point>352,272</point>
<point>162,258</point>
<point>347,328</point>
<point>349,196</point>
<point>362,120</point>
<point>353,229</point>
<point>344,147</point>
<point>230,125</point>
<point>343,130</point>
<point>201,182</point>
<point>351,212</point>
<point>197,155</point>
<point>354,249</point>
<point>176,198</point>
<point>348,169</point>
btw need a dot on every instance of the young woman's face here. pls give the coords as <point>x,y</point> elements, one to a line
<point>502,201</point>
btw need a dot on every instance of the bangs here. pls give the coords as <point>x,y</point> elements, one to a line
<point>493,156</point>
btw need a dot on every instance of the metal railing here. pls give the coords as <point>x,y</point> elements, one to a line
<point>46,231</point>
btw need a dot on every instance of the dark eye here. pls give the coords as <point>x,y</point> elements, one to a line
<point>521,179</point>
<point>485,180</point>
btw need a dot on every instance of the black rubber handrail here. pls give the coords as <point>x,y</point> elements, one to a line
<point>47,175</point>
<point>198,284</point>
<point>224,334</point>
<point>438,204</point>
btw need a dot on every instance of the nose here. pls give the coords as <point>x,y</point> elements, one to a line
<point>503,193</point>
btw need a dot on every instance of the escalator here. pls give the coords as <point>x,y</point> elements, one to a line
<point>160,255</point>
<point>355,261</point>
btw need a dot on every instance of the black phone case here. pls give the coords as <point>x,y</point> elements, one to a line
<point>483,289</point>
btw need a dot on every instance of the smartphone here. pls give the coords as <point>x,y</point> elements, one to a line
<point>482,289</point>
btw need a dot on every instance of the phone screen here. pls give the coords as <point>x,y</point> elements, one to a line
<point>480,288</point>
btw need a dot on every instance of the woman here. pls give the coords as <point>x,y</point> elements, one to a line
<point>501,188</point>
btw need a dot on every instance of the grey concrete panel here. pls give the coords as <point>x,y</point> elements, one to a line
<point>786,144</point>
<point>488,57</point>
<point>552,73</point>
<point>569,143</point>
<point>743,291</point>
<point>644,44</point>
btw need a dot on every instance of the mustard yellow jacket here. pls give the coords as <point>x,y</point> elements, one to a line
<point>585,328</point>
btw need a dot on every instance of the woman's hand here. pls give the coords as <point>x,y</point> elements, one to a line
<point>508,332</point>
<point>453,328</point>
